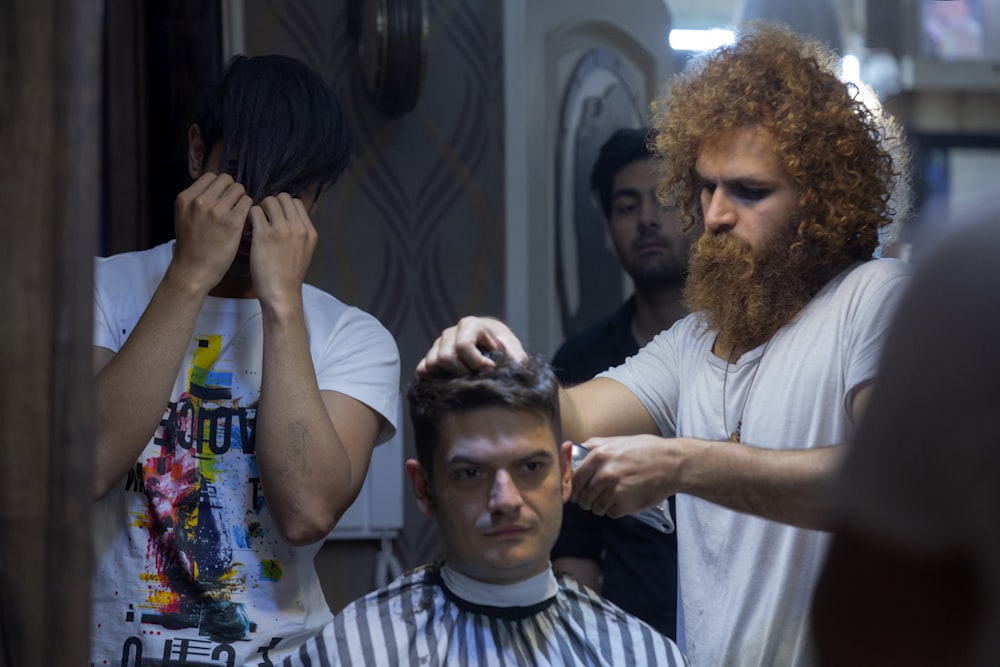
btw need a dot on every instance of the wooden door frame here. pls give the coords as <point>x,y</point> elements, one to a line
<point>49,194</point>
<point>58,192</point>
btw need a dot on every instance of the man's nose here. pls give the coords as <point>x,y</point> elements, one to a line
<point>650,212</point>
<point>718,210</point>
<point>504,495</point>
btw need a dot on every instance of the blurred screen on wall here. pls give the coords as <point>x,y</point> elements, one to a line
<point>953,29</point>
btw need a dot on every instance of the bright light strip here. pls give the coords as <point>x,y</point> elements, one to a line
<point>700,40</point>
<point>850,69</point>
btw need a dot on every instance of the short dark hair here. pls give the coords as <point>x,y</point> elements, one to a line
<point>528,386</point>
<point>621,149</point>
<point>280,125</point>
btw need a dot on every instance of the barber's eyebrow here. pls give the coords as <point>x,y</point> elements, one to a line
<point>746,181</point>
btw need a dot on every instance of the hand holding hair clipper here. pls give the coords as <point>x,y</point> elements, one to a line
<point>657,516</point>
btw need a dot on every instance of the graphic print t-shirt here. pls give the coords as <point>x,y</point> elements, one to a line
<point>191,569</point>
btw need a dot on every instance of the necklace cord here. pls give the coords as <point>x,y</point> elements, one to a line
<point>734,436</point>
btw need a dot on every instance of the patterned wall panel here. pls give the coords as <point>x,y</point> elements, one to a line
<point>414,231</point>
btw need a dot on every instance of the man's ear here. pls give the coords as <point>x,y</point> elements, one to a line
<point>566,459</point>
<point>196,151</point>
<point>421,487</point>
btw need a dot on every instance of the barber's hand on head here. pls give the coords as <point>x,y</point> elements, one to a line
<point>208,221</point>
<point>623,475</point>
<point>284,239</point>
<point>460,347</point>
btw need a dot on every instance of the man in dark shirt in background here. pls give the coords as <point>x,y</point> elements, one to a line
<point>627,561</point>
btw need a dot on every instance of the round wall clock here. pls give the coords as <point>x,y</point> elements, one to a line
<point>392,51</point>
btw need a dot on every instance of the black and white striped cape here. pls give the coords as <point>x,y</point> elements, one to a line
<point>416,620</point>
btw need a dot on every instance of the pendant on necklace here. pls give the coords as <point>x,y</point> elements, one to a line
<point>736,435</point>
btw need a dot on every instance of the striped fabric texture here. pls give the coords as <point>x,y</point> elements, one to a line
<point>415,620</point>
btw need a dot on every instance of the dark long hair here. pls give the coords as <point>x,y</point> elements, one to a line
<point>280,126</point>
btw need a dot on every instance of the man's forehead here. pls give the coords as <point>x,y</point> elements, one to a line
<point>493,432</point>
<point>642,171</point>
<point>739,153</point>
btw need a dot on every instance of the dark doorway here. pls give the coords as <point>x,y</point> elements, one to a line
<point>160,58</point>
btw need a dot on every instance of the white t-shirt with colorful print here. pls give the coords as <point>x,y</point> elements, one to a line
<point>190,566</point>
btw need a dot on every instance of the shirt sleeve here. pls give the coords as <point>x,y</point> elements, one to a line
<point>104,328</point>
<point>360,359</point>
<point>869,316</point>
<point>654,373</point>
<point>922,472</point>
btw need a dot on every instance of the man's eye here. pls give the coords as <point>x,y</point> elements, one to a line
<point>752,194</point>
<point>625,209</point>
<point>534,466</point>
<point>468,473</point>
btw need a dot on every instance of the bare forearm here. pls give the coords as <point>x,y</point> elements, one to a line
<point>790,486</point>
<point>602,407</point>
<point>304,466</point>
<point>133,388</point>
<point>572,429</point>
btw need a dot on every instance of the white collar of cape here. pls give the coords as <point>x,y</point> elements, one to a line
<point>525,593</point>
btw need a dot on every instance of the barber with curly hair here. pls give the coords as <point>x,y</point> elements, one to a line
<point>744,407</point>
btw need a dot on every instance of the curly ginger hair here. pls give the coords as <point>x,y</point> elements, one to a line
<point>846,155</point>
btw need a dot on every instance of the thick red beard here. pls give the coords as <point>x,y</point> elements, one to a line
<point>748,296</point>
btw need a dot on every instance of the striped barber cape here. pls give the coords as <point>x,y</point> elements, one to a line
<point>417,620</point>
